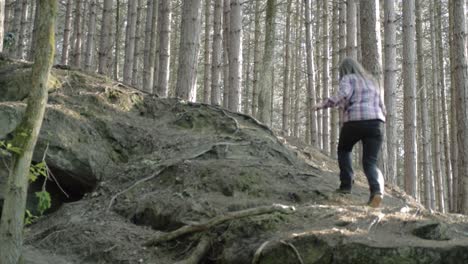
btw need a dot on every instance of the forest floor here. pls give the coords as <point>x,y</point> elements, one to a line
<point>132,172</point>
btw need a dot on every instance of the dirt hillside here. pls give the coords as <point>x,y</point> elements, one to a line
<point>130,172</point>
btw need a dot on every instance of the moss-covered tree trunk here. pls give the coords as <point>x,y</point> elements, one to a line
<point>25,137</point>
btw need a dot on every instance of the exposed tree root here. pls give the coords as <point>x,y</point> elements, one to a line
<point>219,220</point>
<point>165,166</point>
<point>133,186</point>
<point>294,249</point>
<point>200,251</point>
<point>258,252</point>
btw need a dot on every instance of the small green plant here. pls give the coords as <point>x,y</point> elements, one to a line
<point>35,172</point>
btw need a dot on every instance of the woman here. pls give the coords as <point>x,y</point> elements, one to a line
<point>363,120</point>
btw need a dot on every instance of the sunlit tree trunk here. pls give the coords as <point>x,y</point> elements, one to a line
<point>216,60</point>
<point>325,77</point>
<point>188,48</point>
<point>334,79</point>
<point>311,115</point>
<point>317,18</point>
<point>136,48</point>
<point>22,30</point>
<point>105,43</point>
<point>390,90</point>
<point>89,57</point>
<point>206,73</point>
<point>351,39</point>
<point>266,78</point>
<point>2,19</point>
<point>164,25</point>
<point>150,42</point>
<point>437,156</point>
<point>118,37</point>
<point>25,137</point>
<point>246,94</point>
<point>298,22</point>
<point>130,41</point>
<point>286,70</point>
<point>226,24</point>
<point>460,78</point>
<point>409,111</point>
<point>66,34</point>
<point>441,90</point>
<point>235,56</point>
<point>452,114</point>
<point>428,176</point>
<point>256,70</point>
<point>174,58</point>
<point>77,34</point>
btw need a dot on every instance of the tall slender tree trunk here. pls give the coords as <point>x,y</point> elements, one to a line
<point>390,90</point>
<point>66,34</point>
<point>256,70</point>
<point>25,137</point>
<point>358,31</point>
<point>148,60</point>
<point>437,157</point>
<point>429,193</point>
<point>34,30</point>
<point>317,66</point>
<point>89,57</point>
<point>226,24</point>
<point>441,90</point>
<point>118,36</point>
<point>189,48</point>
<point>77,38</point>
<point>22,30</point>
<point>84,19</point>
<point>247,67</point>
<point>130,43</point>
<point>164,24</point>
<point>351,39</point>
<point>460,78</point>
<point>174,52</point>
<point>325,78</point>
<point>409,83</point>
<point>453,118</point>
<point>105,43</point>
<point>206,73</point>
<point>334,77</point>
<point>6,15</point>
<point>286,88</point>
<point>2,23</point>
<point>266,78</point>
<point>235,56</point>
<point>16,25</point>
<point>216,60</point>
<point>312,118</point>
<point>298,25</point>
<point>136,48</point>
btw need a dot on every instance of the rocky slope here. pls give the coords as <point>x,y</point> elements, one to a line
<point>129,167</point>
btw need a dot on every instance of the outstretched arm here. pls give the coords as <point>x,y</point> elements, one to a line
<point>343,95</point>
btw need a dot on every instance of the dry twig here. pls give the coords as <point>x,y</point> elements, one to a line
<point>200,251</point>
<point>219,220</point>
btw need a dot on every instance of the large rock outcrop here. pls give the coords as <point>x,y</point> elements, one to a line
<point>129,166</point>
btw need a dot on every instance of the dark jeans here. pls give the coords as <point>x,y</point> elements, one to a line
<point>370,132</point>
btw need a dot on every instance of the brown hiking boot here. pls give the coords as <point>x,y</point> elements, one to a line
<point>375,200</point>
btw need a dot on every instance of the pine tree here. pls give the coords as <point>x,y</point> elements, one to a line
<point>25,137</point>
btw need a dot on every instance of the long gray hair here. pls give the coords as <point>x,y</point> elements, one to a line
<point>351,66</point>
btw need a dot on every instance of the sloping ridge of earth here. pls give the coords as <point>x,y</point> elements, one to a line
<point>129,168</point>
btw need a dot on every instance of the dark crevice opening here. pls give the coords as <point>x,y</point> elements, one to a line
<point>63,187</point>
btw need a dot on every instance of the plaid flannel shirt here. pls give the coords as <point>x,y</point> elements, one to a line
<point>359,99</point>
